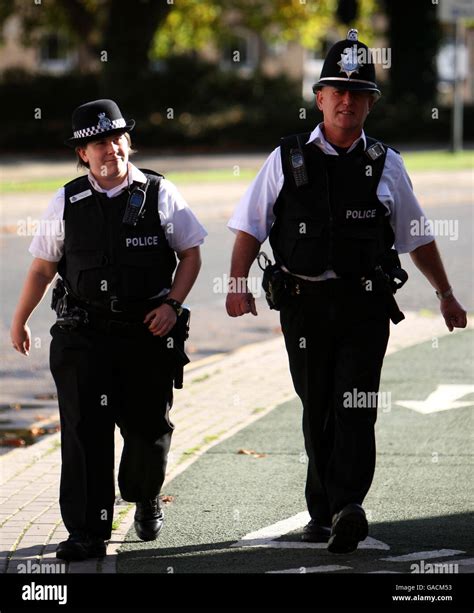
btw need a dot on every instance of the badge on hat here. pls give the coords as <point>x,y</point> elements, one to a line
<point>104,122</point>
<point>349,61</point>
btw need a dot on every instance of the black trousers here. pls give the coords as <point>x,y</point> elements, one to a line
<point>116,375</point>
<point>336,339</point>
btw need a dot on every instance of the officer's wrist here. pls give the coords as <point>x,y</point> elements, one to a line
<point>175,305</point>
<point>445,295</point>
<point>237,285</point>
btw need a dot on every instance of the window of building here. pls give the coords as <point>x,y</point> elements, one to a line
<point>55,56</point>
<point>240,52</point>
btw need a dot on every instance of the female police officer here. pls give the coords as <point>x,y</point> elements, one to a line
<point>112,352</point>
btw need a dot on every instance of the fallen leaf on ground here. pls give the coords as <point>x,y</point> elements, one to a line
<point>167,499</point>
<point>252,453</point>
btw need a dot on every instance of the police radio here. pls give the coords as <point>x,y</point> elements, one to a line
<point>135,206</point>
<point>297,164</point>
<point>298,167</point>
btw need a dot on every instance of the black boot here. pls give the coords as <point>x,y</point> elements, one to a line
<point>314,532</point>
<point>80,547</point>
<point>148,519</point>
<point>349,526</point>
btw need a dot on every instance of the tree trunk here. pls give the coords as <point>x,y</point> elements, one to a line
<point>414,35</point>
<point>127,39</point>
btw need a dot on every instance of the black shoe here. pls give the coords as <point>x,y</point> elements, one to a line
<point>72,549</point>
<point>80,547</point>
<point>349,526</point>
<point>96,547</point>
<point>148,519</point>
<point>314,532</point>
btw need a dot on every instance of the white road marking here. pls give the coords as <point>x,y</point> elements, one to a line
<point>271,544</point>
<point>443,398</point>
<point>266,537</point>
<point>464,561</point>
<point>276,530</point>
<point>303,570</point>
<point>424,555</point>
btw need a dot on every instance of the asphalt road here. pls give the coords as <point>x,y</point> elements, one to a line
<point>237,512</point>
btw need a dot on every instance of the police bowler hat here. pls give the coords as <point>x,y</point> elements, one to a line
<point>348,65</point>
<point>97,119</point>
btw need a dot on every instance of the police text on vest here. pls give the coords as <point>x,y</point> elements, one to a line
<point>32,591</point>
<point>141,241</point>
<point>361,214</point>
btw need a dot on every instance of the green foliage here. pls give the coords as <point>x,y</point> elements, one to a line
<point>191,104</point>
<point>193,24</point>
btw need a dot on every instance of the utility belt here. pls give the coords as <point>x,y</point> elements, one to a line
<point>123,317</point>
<point>73,311</point>
<point>385,280</point>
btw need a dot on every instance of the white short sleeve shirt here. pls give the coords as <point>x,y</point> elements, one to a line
<point>182,228</point>
<point>254,213</point>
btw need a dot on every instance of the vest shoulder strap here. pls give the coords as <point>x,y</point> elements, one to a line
<point>373,141</point>
<point>295,140</point>
<point>376,151</point>
<point>152,174</point>
<point>78,184</point>
<point>75,190</point>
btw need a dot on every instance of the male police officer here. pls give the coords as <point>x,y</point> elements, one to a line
<point>333,203</point>
<point>113,352</point>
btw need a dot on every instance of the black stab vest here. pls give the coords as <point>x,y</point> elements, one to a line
<point>104,258</point>
<point>335,221</point>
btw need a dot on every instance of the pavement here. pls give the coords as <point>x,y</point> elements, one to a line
<point>222,395</point>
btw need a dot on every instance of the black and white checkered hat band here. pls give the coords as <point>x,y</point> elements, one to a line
<point>112,125</point>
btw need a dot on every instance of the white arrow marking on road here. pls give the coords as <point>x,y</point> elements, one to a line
<point>465,562</point>
<point>424,555</point>
<point>443,398</point>
<point>265,537</point>
<point>308,569</point>
<point>276,530</point>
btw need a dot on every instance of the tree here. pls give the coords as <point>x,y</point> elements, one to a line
<point>113,34</point>
<point>127,40</point>
<point>193,23</point>
<point>414,34</point>
<point>118,37</point>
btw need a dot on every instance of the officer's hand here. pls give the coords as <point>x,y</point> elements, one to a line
<point>21,338</point>
<point>161,320</point>
<point>454,313</point>
<point>240,303</point>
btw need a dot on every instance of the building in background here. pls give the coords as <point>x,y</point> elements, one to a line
<point>52,53</point>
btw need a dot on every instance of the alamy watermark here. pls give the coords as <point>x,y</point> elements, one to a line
<point>356,399</point>
<point>353,56</point>
<point>435,227</point>
<point>45,568</point>
<point>40,227</point>
<point>437,567</point>
<point>237,285</point>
